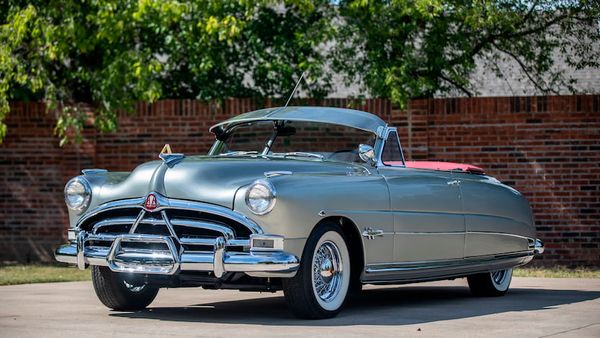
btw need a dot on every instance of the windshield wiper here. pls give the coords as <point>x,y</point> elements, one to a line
<point>240,153</point>
<point>302,154</point>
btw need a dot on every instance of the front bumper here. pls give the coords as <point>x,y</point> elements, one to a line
<point>538,247</point>
<point>171,260</point>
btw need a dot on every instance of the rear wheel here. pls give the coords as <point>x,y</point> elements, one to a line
<point>490,284</point>
<point>319,288</point>
<point>119,293</point>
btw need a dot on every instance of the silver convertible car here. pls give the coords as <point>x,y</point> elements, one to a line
<point>313,201</point>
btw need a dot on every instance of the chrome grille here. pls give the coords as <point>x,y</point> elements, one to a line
<point>191,230</point>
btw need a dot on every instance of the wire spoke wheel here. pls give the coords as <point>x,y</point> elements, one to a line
<point>319,288</point>
<point>327,271</point>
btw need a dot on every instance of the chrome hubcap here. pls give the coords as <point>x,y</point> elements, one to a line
<point>498,276</point>
<point>326,268</point>
<point>134,288</point>
<point>327,271</point>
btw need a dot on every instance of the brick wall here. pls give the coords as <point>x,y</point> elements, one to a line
<point>546,147</point>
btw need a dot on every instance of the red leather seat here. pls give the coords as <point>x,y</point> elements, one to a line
<point>444,166</point>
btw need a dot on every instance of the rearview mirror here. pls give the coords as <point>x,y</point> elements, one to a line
<point>366,153</point>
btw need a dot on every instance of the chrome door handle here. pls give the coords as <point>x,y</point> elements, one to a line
<point>371,233</point>
<point>454,182</point>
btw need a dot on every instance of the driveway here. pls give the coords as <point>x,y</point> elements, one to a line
<point>534,307</point>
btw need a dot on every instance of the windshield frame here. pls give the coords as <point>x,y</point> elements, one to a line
<point>340,116</point>
<point>219,142</point>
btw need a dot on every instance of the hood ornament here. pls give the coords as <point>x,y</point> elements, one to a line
<point>169,157</point>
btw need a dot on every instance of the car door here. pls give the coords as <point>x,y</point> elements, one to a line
<point>427,210</point>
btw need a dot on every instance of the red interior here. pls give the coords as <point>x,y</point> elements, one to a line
<point>446,166</point>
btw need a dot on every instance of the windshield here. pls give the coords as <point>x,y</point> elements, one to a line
<point>319,141</point>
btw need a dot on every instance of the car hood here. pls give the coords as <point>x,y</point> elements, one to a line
<point>203,178</point>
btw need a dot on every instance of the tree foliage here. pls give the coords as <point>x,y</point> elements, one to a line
<point>114,53</point>
<point>404,49</point>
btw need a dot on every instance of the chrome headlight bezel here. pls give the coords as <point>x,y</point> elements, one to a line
<point>86,193</point>
<point>264,188</point>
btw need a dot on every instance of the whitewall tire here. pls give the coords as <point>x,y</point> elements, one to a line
<point>490,284</point>
<point>319,288</point>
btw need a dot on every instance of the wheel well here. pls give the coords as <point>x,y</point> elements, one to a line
<point>355,244</point>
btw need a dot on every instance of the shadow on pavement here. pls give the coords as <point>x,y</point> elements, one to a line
<point>391,306</point>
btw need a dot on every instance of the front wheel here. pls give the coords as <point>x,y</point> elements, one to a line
<point>490,284</point>
<point>118,293</point>
<point>319,288</point>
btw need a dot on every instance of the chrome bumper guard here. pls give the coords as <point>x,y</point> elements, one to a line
<point>257,263</point>
<point>536,245</point>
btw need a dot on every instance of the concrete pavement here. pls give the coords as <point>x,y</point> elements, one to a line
<point>534,307</point>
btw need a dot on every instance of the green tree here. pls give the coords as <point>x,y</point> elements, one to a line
<point>405,49</point>
<point>116,52</point>
<point>113,53</point>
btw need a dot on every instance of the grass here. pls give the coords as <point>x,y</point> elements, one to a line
<point>557,272</point>
<point>25,274</point>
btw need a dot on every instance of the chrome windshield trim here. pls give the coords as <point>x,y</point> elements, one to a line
<point>167,203</point>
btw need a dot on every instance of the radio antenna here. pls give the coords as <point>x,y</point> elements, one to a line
<point>295,88</point>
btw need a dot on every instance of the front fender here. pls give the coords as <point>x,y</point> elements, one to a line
<point>302,198</point>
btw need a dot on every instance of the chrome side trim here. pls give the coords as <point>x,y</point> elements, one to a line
<point>447,272</point>
<point>435,264</point>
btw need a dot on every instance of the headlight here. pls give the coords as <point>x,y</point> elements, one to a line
<point>260,197</point>
<point>78,193</point>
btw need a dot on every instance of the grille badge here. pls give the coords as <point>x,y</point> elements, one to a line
<point>151,202</point>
